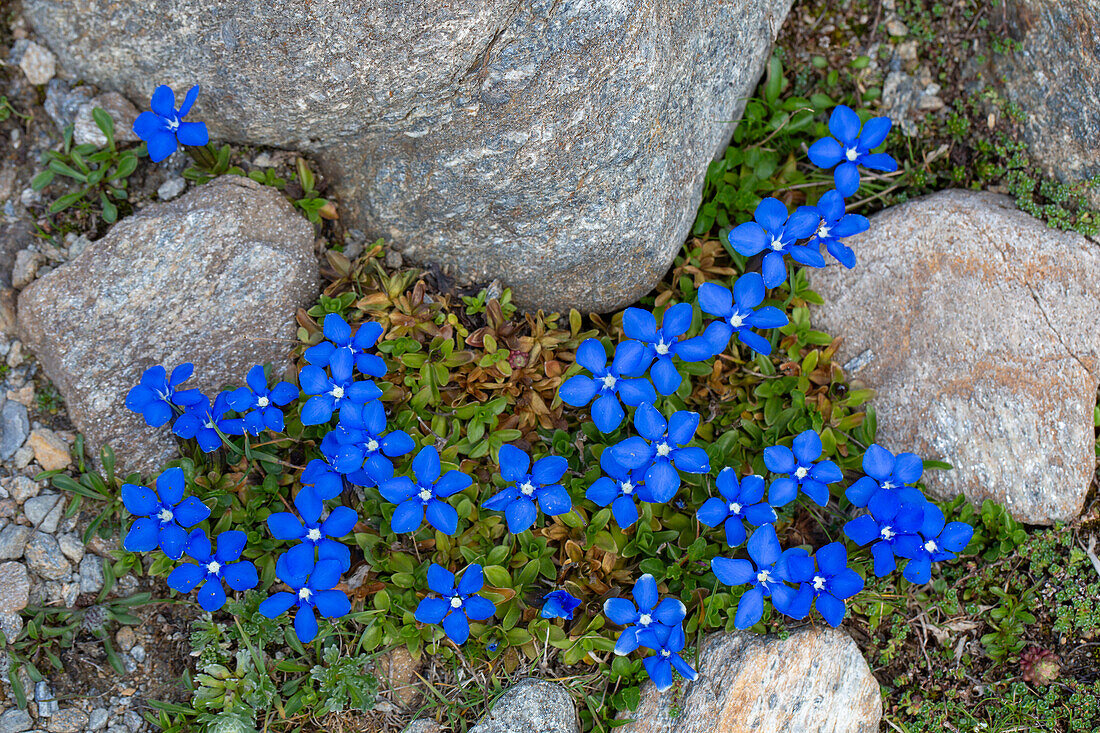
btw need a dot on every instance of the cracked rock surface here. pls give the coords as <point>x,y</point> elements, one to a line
<point>976,326</point>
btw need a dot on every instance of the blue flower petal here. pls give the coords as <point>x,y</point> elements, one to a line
<point>826,152</point>
<point>620,611</point>
<point>441,580</point>
<point>185,577</point>
<point>625,511</point>
<point>846,178</point>
<point>473,579</point>
<point>305,624</point>
<point>192,133</point>
<point>241,576</point>
<point>332,603</point>
<point>607,413</point>
<point>578,390</point>
<point>645,592</point>
<point>640,325</point>
<point>139,500</point>
<point>457,627</point>
<point>277,604</point>
<point>660,671</point>
<point>442,516</point>
<point>212,595</point>
<point>431,610</point>
<point>160,145</point>
<point>426,465</point>
<point>750,609</point>
<point>478,608</point>
<point>513,462</point>
<point>662,481</point>
<point>780,459</point>
<point>845,124</point>
<point>521,514</point>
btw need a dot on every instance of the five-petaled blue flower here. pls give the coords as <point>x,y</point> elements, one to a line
<point>541,483</point>
<point>826,585</point>
<point>651,612</point>
<point>207,423</point>
<point>667,643</point>
<point>662,445</point>
<point>740,502</point>
<point>459,605</point>
<point>849,148</point>
<point>421,498</point>
<point>163,515</point>
<point>775,233</point>
<point>559,604</point>
<point>322,478</point>
<point>213,568</point>
<point>663,343</point>
<point>887,474</point>
<point>738,312</point>
<point>608,384</point>
<point>312,584</point>
<point>935,543</point>
<point>341,347</point>
<point>332,392</point>
<point>890,520</point>
<point>767,574</point>
<point>155,395</point>
<point>364,444</point>
<point>260,405</point>
<point>836,225</point>
<point>802,473</point>
<point>162,128</point>
<point>621,488</point>
<point>312,531</point>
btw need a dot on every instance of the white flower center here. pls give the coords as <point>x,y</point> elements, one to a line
<point>304,594</point>
<point>776,244</point>
<point>425,495</point>
<point>609,381</point>
<point>801,473</point>
<point>819,582</point>
<point>666,653</point>
<point>627,487</point>
<point>764,577</point>
<point>663,449</point>
<point>737,320</point>
<point>645,619</point>
<point>372,445</point>
<point>823,231</point>
<point>526,488</point>
<point>213,567</point>
<point>851,154</point>
<point>165,515</point>
<point>314,534</point>
<point>456,602</point>
<point>661,348</point>
<point>263,402</point>
<point>887,484</point>
<point>887,533</point>
<point>930,546</point>
<point>735,508</point>
<point>337,392</point>
<point>172,124</point>
<point>209,425</point>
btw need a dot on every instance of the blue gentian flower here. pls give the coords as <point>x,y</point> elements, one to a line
<point>559,604</point>
<point>332,392</point>
<point>663,343</point>
<point>213,568</point>
<point>662,445</point>
<point>312,583</point>
<point>322,478</point>
<point>667,643</point>
<point>935,543</point>
<point>620,488</point>
<point>459,604</point>
<point>163,515</point>
<point>421,498</point>
<point>206,423</point>
<point>740,502</point>
<point>155,395</point>
<point>851,148</point>
<point>331,446</point>
<point>342,347</point>
<point>260,405</point>
<point>775,233</point>
<point>311,531</point>
<point>887,474</point>
<point>890,520</point>
<point>364,443</point>
<point>767,575</point>
<point>738,312</point>
<point>162,128</point>
<point>541,484</point>
<point>651,612</point>
<point>608,384</point>
<point>826,585</point>
<point>836,225</point>
<point>803,474</point>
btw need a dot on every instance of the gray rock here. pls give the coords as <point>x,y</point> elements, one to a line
<point>14,720</point>
<point>24,487</point>
<point>14,428</point>
<point>63,102</point>
<point>122,113</point>
<point>171,188</point>
<point>71,547</point>
<point>15,587</point>
<point>37,62</point>
<point>423,725</point>
<point>560,147</point>
<point>25,268</point>
<point>91,574</point>
<point>11,624</point>
<point>98,719</point>
<point>14,237</point>
<point>38,508</point>
<point>531,705</point>
<point>44,557</point>
<point>13,539</point>
<point>1053,79</point>
<point>815,681</point>
<point>976,326</point>
<point>213,278</point>
<point>138,653</point>
<point>69,720</point>
<point>43,695</point>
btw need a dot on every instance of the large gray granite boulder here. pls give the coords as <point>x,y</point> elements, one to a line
<point>557,146</point>
<point>976,325</point>
<point>214,278</point>
<point>531,706</point>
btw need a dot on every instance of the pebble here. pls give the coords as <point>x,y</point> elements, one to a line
<point>70,720</point>
<point>39,510</point>
<point>98,719</point>
<point>394,260</point>
<point>125,638</point>
<point>15,587</point>
<point>138,653</point>
<point>25,268</point>
<point>13,540</point>
<point>23,487</point>
<point>11,624</point>
<point>38,63</point>
<point>263,160</point>
<point>15,355</point>
<point>71,547</point>
<point>171,188</point>
<point>44,557</point>
<point>15,720</point>
<point>24,395</point>
<point>133,720</point>
<point>78,245</point>
<point>896,28</point>
<point>23,457</point>
<point>14,427</point>
<point>63,102</point>
<point>91,574</point>
<point>50,449</point>
<point>47,703</point>
<point>117,107</point>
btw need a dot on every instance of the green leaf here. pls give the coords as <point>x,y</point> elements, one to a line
<point>42,180</point>
<point>66,201</point>
<point>498,576</point>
